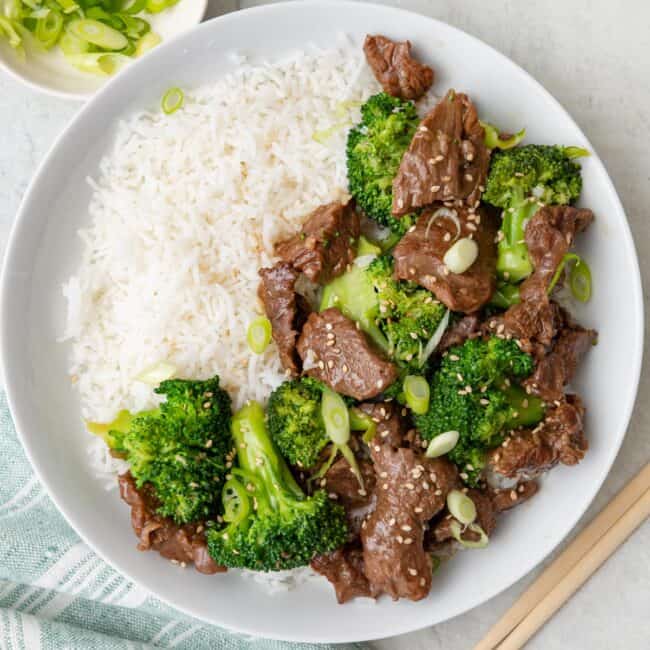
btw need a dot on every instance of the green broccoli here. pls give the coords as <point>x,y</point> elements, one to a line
<point>400,317</point>
<point>519,180</point>
<point>270,523</point>
<point>295,422</point>
<point>374,151</point>
<point>474,391</point>
<point>179,448</point>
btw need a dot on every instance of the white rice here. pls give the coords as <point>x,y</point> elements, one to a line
<point>185,209</point>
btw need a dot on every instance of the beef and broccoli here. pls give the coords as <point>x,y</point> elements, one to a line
<point>426,372</point>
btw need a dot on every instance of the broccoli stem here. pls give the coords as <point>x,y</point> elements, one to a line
<point>258,456</point>
<point>513,261</point>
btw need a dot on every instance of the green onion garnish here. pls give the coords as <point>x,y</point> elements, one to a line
<point>172,100</point>
<point>579,277</point>
<point>336,417</point>
<point>461,507</point>
<point>417,393</point>
<point>360,421</point>
<point>96,36</point>
<point>493,139</point>
<point>442,444</point>
<point>457,531</point>
<point>236,503</point>
<point>259,332</point>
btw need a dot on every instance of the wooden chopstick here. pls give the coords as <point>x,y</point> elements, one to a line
<point>571,557</point>
<point>588,565</point>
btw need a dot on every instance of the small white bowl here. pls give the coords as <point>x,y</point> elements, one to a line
<point>50,73</point>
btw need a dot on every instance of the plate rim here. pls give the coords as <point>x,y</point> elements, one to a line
<point>16,409</point>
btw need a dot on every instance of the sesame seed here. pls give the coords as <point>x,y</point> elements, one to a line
<point>439,158</point>
<point>435,188</point>
<point>333,496</point>
<point>513,495</point>
<point>423,128</point>
<point>175,562</point>
<point>330,343</point>
<point>413,335</point>
<point>408,540</point>
<point>464,476</point>
<point>391,521</point>
<point>425,485</point>
<point>500,328</point>
<point>409,486</point>
<point>469,467</point>
<point>362,493</point>
<point>445,270</point>
<point>323,482</point>
<point>459,377</point>
<point>321,365</point>
<point>454,357</point>
<point>446,236</point>
<point>418,510</point>
<point>468,389</point>
<point>422,582</point>
<point>193,484</point>
<point>438,492</point>
<point>469,177</point>
<point>406,528</point>
<point>385,486</point>
<point>400,203</point>
<point>377,448</point>
<point>379,383</point>
<point>208,444</point>
<point>413,572</point>
<point>328,326</point>
<point>207,405</point>
<point>400,539</point>
<point>484,401</point>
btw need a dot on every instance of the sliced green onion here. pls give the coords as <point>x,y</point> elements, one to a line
<point>10,32</point>
<point>236,502</point>
<point>579,277</point>
<point>49,29</point>
<point>98,34</point>
<point>134,27</point>
<point>461,255</point>
<point>360,421</point>
<point>157,373</point>
<point>336,417</point>
<point>493,138</point>
<point>417,393</point>
<point>435,563</point>
<point>576,152</point>
<point>67,6</point>
<point>505,296</point>
<point>172,100</point>
<point>456,531</point>
<point>259,334</point>
<point>461,507</point>
<point>156,6</point>
<point>12,9</point>
<point>146,43</point>
<point>433,342</point>
<point>101,63</point>
<point>120,423</point>
<point>442,444</point>
<point>323,136</point>
<point>342,108</point>
<point>133,7</point>
<point>71,45</point>
<point>580,281</point>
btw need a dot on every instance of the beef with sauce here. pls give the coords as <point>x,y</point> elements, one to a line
<point>395,69</point>
<point>459,331</point>
<point>447,159</point>
<point>286,310</point>
<point>184,544</point>
<point>336,352</point>
<point>549,236</point>
<point>345,570</point>
<point>559,438</point>
<point>419,257</point>
<point>390,418</point>
<point>326,243</point>
<point>410,490</point>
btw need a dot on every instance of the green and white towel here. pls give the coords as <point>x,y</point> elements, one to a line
<point>56,593</point>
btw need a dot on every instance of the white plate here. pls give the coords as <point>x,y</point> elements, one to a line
<point>44,251</point>
<point>50,73</point>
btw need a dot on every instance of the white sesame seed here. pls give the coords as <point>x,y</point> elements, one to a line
<point>408,540</point>
<point>413,572</point>
<point>513,495</point>
<point>418,510</point>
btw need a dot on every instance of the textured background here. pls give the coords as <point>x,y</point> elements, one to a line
<point>594,57</point>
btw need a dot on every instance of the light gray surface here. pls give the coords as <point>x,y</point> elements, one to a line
<point>594,56</point>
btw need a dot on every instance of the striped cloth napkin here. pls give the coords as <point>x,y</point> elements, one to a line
<point>56,593</point>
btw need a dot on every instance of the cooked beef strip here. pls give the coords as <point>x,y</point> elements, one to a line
<point>395,69</point>
<point>555,370</point>
<point>186,543</point>
<point>390,418</point>
<point>419,257</point>
<point>559,438</point>
<point>333,350</point>
<point>410,490</point>
<point>457,333</point>
<point>285,309</point>
<point>489,503</point>
<point>326,243</point>
<point>549,235</point>
<point>447,159</point>
<point>344,569</point>
<point>357,502</point>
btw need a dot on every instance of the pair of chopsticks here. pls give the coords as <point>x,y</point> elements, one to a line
<point>588,551</point>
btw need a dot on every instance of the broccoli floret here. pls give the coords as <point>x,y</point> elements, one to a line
<point>400,317</point>
<point>179,448</point>
<point>374,152</point>
<point>474,391</point>
<point>295,422</point>
<point>270,523</point>
<point>518,181</point>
